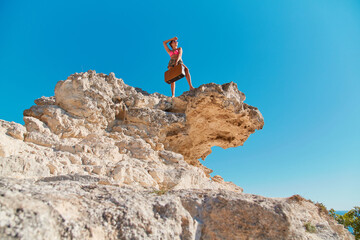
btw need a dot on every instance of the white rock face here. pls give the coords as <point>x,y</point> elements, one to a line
<point>104,160</point>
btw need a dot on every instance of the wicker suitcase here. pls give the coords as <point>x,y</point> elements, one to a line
<point>175,73</point>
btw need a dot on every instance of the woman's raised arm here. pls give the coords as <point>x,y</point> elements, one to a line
<point>166,46</point>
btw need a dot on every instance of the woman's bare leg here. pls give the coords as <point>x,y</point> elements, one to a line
<point>173,89</point>
<point>188,77</point>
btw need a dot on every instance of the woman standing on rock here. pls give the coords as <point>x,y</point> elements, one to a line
<point>175,59</point>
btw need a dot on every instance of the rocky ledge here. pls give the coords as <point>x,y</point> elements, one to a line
<point>104,160</point>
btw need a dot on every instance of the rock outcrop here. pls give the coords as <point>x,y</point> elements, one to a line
<point>104,160</point>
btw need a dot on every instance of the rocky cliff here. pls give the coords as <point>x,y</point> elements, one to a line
<point>104,160</point>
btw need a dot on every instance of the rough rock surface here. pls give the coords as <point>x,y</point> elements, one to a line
<point>104,160</point>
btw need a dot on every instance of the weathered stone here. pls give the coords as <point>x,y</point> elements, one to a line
<point>81,207</point>
<point>104,160</point>
<point>16,130</point>
<point>45,101</point>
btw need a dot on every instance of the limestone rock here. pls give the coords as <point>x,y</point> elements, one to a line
<point>104,160</point>
<point>76,207</point>
<point>14,130</point>
<point>98,120</point>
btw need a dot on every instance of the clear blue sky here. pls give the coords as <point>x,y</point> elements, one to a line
<point>297,61</point>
